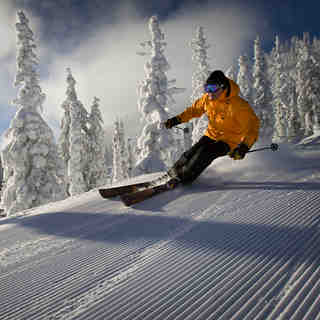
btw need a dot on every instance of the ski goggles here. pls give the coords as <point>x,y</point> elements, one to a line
<point>211,88</point>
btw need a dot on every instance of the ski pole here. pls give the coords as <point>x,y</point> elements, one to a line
<point>272,147</point>
<point>185,130</point>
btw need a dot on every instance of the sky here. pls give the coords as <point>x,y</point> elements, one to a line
<point>99,39</point>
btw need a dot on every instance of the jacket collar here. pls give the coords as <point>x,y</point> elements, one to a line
<point>234,91</point>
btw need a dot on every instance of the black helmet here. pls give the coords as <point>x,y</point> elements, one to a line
<point>218,78</point>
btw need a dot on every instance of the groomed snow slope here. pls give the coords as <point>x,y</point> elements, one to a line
<point>241,243</point>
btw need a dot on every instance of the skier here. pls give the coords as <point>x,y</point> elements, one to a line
<point>233,128</point>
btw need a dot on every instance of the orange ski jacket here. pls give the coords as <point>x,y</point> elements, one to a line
<point>231,119</point>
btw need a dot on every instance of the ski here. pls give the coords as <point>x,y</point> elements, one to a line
<point>118,191</point>
<point>135,197</point>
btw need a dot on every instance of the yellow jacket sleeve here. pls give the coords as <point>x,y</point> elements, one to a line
<point>195,111</point>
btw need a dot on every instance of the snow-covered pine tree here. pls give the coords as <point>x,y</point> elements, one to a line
<point>245,79</point>
<point>74,139</point>
<point>97,168</point>
<point>309,58</point>
<point>200,58</point>
<point>280,123</point>
<point>120,158</point>
<point>307,87</point>
<point>155,99</point>
<point>108,158</point>
<point>116,172</point>
<point>261,92</point>
<point>284,96</point>
<point>315,52</point>
<point>294,130</point>
<point>290,98</point>
<point>1,176</point>
<point>124,156</point>
<point>131,159</point>
<point>231,73</point>
<point>201,73</point>
<point>33,171</point>
<point>64,138</point>
<point>296,122</point>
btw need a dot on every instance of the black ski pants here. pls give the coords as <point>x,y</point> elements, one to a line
<point>195,160</point>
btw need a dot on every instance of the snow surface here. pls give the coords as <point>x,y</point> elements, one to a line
<point>240,243</point>
<point>312,141</point>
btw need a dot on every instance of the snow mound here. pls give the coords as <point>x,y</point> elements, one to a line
<point>287,161</point>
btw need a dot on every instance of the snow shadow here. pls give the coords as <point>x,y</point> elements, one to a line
<point>144,230</point>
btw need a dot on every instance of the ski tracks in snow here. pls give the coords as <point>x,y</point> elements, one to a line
<point>251,253</point>
<point>137,259</point>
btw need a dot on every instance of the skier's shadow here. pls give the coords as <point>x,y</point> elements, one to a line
<point>214,234</point>
<point>158,202</point>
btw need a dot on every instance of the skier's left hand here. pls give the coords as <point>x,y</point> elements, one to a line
<point>239,152</point>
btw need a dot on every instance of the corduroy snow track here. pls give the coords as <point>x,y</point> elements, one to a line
<point>246,249</point>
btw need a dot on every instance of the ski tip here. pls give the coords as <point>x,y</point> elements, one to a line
<point>103,193</point>
<point>100,192</point>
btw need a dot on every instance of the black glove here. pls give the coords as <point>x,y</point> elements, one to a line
<point>239,152</point>
<point>172,122</point>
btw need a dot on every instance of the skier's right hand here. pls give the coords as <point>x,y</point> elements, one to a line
<point>172,122</point>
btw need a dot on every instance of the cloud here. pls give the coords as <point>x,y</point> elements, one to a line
<point>104,65</point>
<point>7,60</point>
<point>229,30</point>
<point>7,29</point>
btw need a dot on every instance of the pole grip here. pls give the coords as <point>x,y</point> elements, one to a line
<point>272,147</point>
